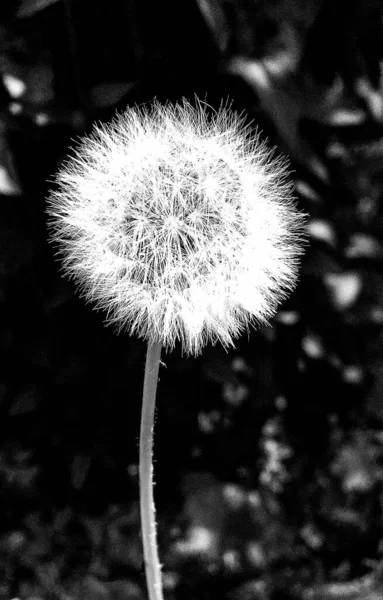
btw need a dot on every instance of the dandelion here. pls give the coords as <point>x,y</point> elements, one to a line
<point>181,226</point>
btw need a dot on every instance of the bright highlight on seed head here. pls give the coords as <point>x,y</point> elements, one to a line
<point>179,225</point>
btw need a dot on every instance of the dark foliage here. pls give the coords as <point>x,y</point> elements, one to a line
<point>269,458</point>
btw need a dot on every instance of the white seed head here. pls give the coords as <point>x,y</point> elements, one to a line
<point>179,225</point>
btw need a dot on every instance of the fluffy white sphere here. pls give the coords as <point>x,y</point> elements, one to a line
<point>179,225</point>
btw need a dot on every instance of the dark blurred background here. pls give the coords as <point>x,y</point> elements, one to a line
<point>269,458</point>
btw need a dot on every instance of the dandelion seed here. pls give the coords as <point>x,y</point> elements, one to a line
<point>180,226</point>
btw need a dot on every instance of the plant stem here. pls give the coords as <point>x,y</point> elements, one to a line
<point>147,509</point>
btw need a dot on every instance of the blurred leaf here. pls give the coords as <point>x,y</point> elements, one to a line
<point>216,20</point>
<point>9,184</point>
<point>362,245</point>
<point>343,117</point>
<point>320,229</point>
<point>372,97</point>
<point>313,347</point>
<point>308,193</point>
<point>356,464</point>
<point>205,510</point>
<point>14,85</point>
<point>344,288</point>
<point>368,587</point>
<point>286,102</point>
<point>28,8</point>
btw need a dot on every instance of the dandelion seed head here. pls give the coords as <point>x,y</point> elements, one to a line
<point>180,225</point>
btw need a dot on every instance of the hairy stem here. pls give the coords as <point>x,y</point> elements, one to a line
<point>147,509</point>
